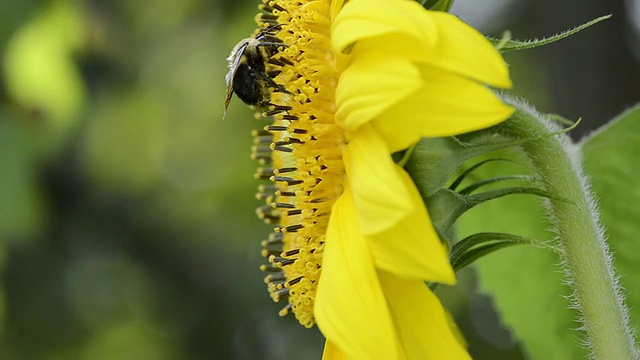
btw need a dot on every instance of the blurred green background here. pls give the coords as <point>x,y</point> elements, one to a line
<point>127,228</point>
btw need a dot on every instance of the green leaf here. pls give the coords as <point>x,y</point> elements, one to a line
<point>611,162</point>
<point>506,44</point>
<point>525,282</point>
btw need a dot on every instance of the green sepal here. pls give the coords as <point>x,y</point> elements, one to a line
<point>475,186</point>
<point>437,5</point>
<point>501,136</point>
<point>563,120</point>
<point>520,190</point>
<point>505,43</point>
<point>433,161</point>
<point>475,246</point>
<point>446,206</point>
<point>402,157</point>
<point>454,185</point>
<point>466,251</point>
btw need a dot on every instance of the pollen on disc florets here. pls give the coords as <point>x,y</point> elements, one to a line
<point>300,152</point>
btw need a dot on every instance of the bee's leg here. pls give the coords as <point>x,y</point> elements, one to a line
<point>281,61</point>
<point>270,109</point>
<point>269,30</point>
<point>275,85</point>
<point>272,41</point>
<point>271,46</point>
<point>273,73</point>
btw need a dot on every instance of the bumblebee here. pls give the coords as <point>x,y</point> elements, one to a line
<point>247,76</point>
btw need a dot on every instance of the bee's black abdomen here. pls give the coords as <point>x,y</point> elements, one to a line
<point>247,84</point>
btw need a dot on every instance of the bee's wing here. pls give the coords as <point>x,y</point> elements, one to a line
<point>234,61</point>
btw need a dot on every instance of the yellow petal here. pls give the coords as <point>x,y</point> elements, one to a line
<point>412,249</point>
<point>458,48</point>
<point>421,321</point>
<point>372,84</point>
<point>463,50</point>
<point>362,19</point>
<point>336,6</point>
<point>405,29</point>
<point>350,308</point>
<point>332,352</point>
<point>448,104</point>
<point>379,193</point>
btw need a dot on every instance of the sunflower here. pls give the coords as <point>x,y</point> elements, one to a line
<point>353,244</point>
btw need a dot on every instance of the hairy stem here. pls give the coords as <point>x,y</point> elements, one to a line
<point>587,261</point>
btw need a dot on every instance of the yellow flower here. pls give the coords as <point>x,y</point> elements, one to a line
<point>354,243</point>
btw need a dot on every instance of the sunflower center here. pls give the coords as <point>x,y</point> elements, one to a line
<point>301,152</point>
